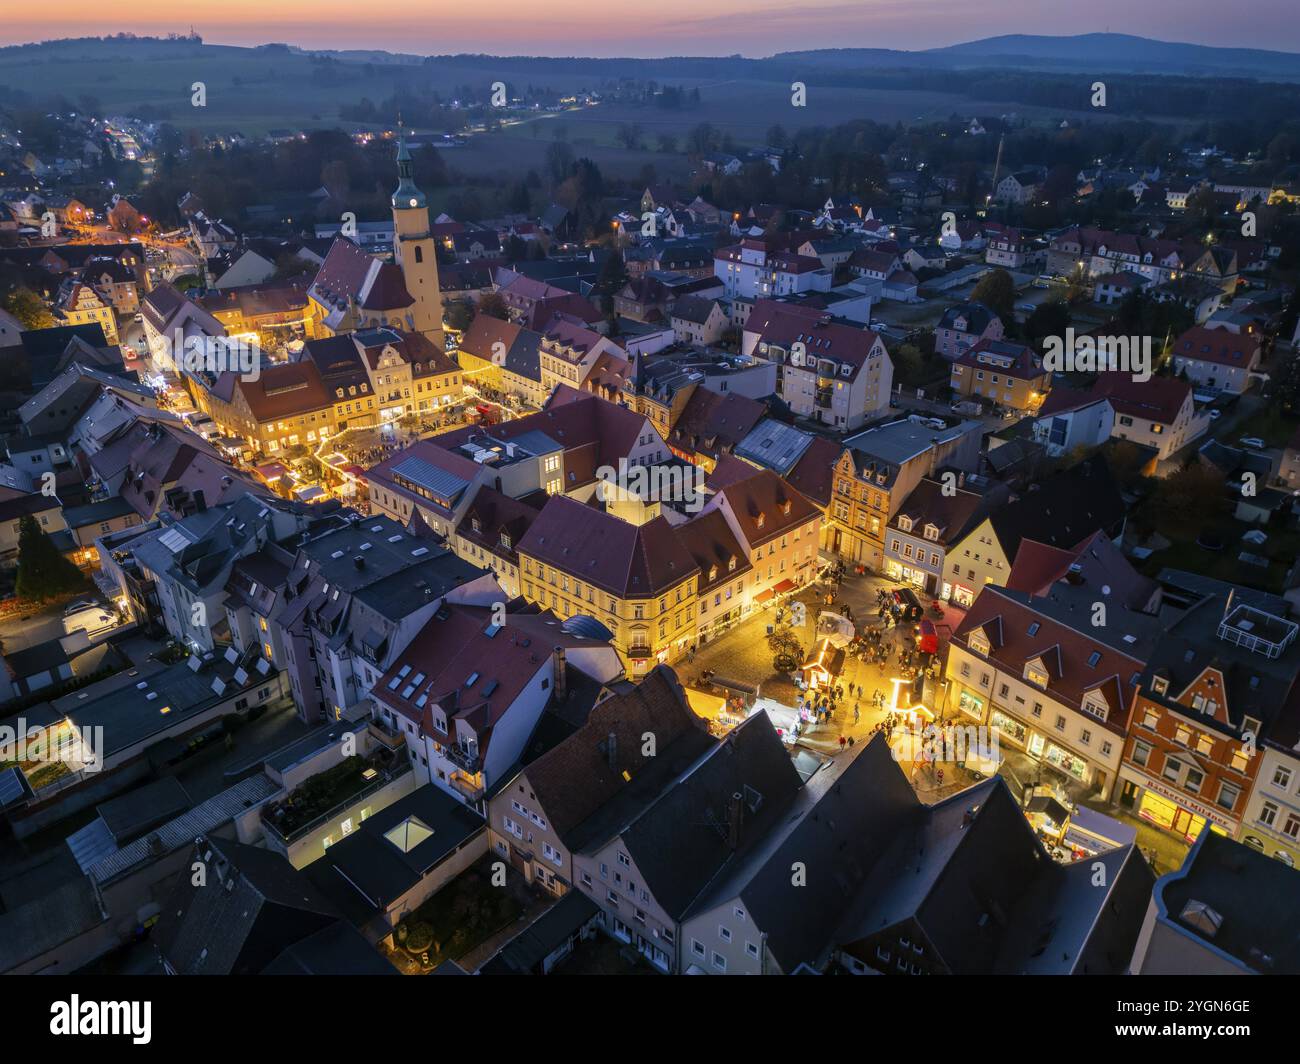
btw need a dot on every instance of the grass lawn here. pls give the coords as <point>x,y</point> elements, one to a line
<point>463,914</point>
<point>1271,426</point>
<point>600,955</point>
<point>1185,553</point>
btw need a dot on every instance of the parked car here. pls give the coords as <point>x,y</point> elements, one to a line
<point>1253,442</point>
<point>92,617</point>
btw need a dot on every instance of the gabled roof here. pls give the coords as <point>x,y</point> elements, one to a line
<point>1239,350</point>
<point>1064,509</point>
<point>213,929</point>
<point>472,668</point>
<point>953,515</point>
<point>606,754</point>
<point>1159,399</point>
<point>687,837</point>
<point>765,507</point>
<point>977,317</point>
<point>625,560</point>
<point>1003,356</point>
<point>1021,629</point>
<point>712,423</point>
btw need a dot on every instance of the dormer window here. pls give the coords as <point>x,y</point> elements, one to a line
<point>474,523</point>
<point>1160,685</point>
<point>1094,704</point>
<point>932,532</point>
<point>979,643</point>
<point>760,520</point>
<point>731,565</point>
<point>905,523</point>
<point>1036,674</point>
<point>505,539</point>
<point>713,573</point>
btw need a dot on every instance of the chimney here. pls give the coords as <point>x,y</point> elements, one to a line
<point>359,562</point>
<point>611,750</point>
<point>735,815</point>
<point>561,675</point>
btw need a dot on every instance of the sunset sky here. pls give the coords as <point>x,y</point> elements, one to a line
<point>673,27</point>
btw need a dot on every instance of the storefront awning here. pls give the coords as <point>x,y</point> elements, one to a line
<point>783,587</point>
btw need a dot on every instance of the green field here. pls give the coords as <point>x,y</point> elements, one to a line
<point>253,91</point>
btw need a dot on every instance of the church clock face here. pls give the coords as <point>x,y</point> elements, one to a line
<point>414,202</point>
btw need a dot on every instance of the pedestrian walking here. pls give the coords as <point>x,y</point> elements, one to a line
<point>857,713</point>
<point>842,743</point>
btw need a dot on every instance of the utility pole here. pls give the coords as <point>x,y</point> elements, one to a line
<point>997,165</point>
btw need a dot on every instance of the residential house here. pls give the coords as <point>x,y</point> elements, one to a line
<point>877,469</point>
<point>1061,511</point>
<point>1011,376</point>
<point>962,326</point>
<point>1217,679</point>
<point>830,372</point>
<point>1217,359</point>
<point>538,819</point>
<point>468,690</point>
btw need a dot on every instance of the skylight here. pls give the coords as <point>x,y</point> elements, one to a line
<point>407,835</point>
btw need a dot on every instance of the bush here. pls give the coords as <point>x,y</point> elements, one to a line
<point>419,936</point>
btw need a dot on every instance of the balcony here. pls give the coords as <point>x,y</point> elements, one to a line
<point>470,763</point>
<point>471,788</point>
<point>389,736</point>
<point>330,793</point>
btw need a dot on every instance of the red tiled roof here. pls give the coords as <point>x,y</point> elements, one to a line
<point>1023,363</point>
<point>1218,345</point>
<point>766,508</point>
<point>455,647</point>
<point>626,560</point>
<point>285,391</point>
<point>712,544</point>
<point>1155,399</point>
<point>813,476</point>
<point>1006,620</point>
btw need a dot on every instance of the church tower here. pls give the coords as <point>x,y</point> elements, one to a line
<point>414,251</point>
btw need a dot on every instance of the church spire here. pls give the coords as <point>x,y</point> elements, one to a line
<point>406,196</point>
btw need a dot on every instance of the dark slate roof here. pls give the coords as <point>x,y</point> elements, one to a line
<point>618,784</point>
<point>841,825</point>
<point>525,952</point>
<point>253,906</point>
<point>366,871</point>
<point>1254,894</point>
<point>137,811</point>
<point>1064,509</point>
<point>338,949</point>
<point>682,841</point>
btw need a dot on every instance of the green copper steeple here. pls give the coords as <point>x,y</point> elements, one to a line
<point>406,196</point>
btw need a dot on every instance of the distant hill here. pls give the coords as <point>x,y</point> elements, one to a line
<point>1100,52</point>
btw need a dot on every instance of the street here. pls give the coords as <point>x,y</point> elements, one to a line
<point>742,654</point>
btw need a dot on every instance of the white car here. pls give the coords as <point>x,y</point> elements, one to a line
<point>1253,442</point>
<point>92,618</point>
